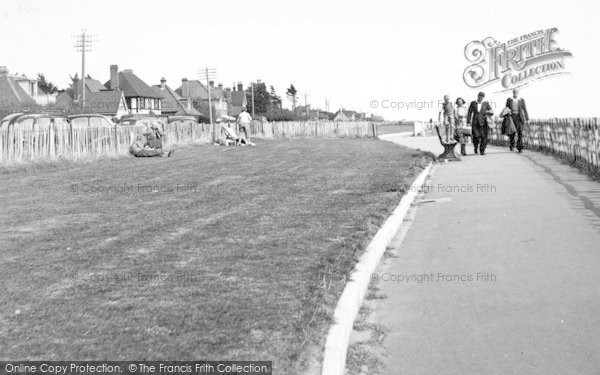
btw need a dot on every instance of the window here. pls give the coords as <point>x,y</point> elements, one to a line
<point>43,121</point>
<point>79,122</point>
<point>27,122</point>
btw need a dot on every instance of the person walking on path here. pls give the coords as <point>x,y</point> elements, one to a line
<point>446,118</point>
<point>462,130</point>
<point>243,121</point>
<point>520,117</point>
<point>508,125</point>
<point>479,116</point>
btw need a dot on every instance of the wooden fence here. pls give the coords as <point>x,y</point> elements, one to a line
<point>313,129</point>
<point>574,139</point>
<point>60,139</point>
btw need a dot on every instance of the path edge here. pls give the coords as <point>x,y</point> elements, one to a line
<point>336,346</point>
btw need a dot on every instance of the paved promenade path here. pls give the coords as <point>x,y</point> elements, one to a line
<point>507,248</point>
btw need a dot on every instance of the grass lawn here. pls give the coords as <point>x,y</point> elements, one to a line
<point>213,254</point>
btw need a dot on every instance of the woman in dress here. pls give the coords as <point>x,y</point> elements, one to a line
<point>461,129</point>
<point>508,125</point>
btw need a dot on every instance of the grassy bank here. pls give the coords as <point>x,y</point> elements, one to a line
<point>215,253</point>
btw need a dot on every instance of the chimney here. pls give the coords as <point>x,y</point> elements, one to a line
<point>185,88</point>
<point>114,77</point>
<point>212,84</point>
<point>240,87</point>
<point>220,86</point>
<point>163,83</point>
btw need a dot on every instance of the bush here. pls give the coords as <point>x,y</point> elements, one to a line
<point>282,115</point>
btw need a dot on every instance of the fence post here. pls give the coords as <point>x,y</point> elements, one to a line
<point>116,140</point>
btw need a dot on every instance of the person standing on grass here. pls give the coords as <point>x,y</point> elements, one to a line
<point>520,117</point>
<point>243,122</point>
<point>479,116</point>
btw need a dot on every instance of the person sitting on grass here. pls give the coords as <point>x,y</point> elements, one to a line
<point>140,148</point>
<point>154,136</point>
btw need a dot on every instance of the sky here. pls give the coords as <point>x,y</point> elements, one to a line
<point>360,55</point>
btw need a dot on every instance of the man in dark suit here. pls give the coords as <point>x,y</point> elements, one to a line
<point>519,116</point>
<point>479,114</point>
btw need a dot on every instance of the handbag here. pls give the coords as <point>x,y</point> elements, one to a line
<point>508,126</point>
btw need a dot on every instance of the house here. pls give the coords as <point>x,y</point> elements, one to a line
<point>139,97</point>
<point>236,99</point>
<point>345,115</point>
<point>20,91</point>
<point>173,104</point>
<point>98,99</point>
<point>197,92</point>
<point>342,116</point>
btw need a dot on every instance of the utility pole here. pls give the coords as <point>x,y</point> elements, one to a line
<point>252,84</point>
<point>326,104</point>
<point>210,74</point>
<point>306,107</point>
<point>83,45</point>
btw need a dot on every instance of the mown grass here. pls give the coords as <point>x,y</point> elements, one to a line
<point>258,241</point>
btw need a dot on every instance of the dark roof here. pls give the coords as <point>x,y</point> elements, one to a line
<point>103,102</point>
<point>133,86</point>
<point>171,102</point>
<point>11,93</point>
<point>238,98</point>
<point>199,91</point>
<point>170,99</point>
<point>184,111</point>
<point>92,85</point>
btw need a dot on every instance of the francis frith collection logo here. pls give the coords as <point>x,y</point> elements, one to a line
<point>514,63</point>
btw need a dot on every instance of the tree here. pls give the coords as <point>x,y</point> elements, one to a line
<point>262,99</point>
<point>275,99</point>
<point>292,95</point>
<point>47,87</point>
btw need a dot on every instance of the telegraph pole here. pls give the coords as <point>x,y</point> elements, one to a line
<point>252,84</point>
<point>306,107</point>
<point>210,74</point>
<point>83,45</point>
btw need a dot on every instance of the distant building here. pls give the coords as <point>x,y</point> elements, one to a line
<point>346,115</point>
<point>98,99</point>
<point>139,97</point>
<point>236,99</point>
<point>19,90</point>
<point>342,116</point>
<point>173,104</point>
<point>197,92</point>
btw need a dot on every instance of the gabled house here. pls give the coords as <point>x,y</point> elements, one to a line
<point>139,97</point>
<point>236,99</point>
<point>342,116</point>
<point>97,98</point>
<point>197,92</point>
<point>19,91</point>
<point>173,104</point>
